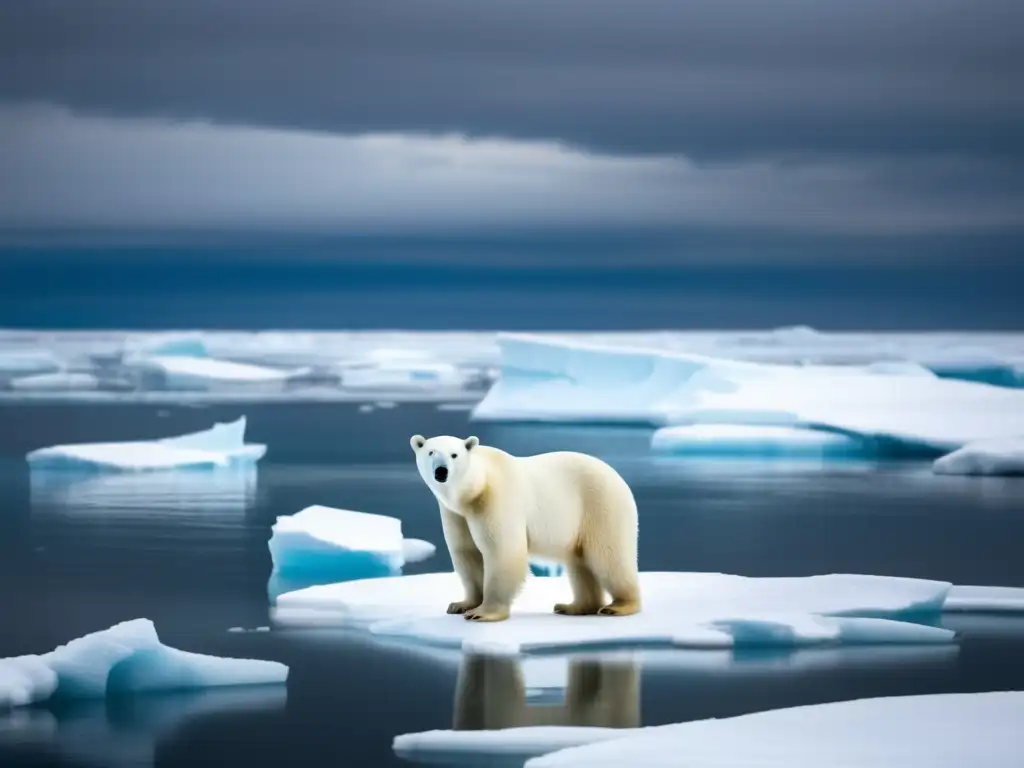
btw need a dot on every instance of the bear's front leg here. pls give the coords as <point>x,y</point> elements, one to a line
<point>504,575</point>
<point>466,558</point>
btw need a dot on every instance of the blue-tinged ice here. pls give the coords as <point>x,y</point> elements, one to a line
<point>322,544</point>
<point>223,445</point>
<point>558,380</point>
<point>127,658</point>
<point>542,567</point>
<point>756,441</point>
<point>985,457</point>
<point>696,610</point>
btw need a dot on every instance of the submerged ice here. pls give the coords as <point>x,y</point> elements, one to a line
<point>127,658</point>
<point>720,405</point>
<point>700,610</point>
<point>222,445</point>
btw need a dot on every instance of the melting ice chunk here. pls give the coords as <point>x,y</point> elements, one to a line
<point>985,457</point>
<point>562,380</point>
<point>220,446</point>
<point>127,658</point>
<point>976,729</point>
<point>342,544</point>
<point>701,610</point>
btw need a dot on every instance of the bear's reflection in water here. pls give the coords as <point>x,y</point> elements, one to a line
<point>491,693</point>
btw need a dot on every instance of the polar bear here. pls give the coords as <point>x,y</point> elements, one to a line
<point>498,509</point>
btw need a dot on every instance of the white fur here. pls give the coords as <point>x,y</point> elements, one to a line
<point>498,509</point>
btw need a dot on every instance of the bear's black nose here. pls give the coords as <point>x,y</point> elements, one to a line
<point>441,474</point>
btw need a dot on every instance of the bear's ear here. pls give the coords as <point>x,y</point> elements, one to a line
<point>417,442</point>
<point>472,442</point>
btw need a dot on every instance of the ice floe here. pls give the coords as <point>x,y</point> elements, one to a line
<point>127,658</point>
<point>547,379</point>
<point>984,457</point>
<point>699,610</point>
<point>342,544</point>
<point>976,729</point>
<point>222,445</point>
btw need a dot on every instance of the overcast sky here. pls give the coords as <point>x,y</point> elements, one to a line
<point>847,118</point>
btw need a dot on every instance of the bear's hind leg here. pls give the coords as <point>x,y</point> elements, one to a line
<point>617,573</point>
<point>587,595</point>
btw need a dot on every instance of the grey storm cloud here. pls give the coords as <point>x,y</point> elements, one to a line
<point>68,170</point>
<point>726,78</point>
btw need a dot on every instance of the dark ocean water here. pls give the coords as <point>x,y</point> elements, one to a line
<point>189,552</point>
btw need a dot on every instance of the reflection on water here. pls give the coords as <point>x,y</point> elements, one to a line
<point>604,690</point>
<point>492,693</point>
<point>123,733</point>
<point>187,492</point>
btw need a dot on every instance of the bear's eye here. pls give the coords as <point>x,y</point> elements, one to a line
<point>430,453</point>
<point>455,455</point>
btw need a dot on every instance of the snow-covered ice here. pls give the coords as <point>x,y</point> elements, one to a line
<point>28,362</point>
<point>222,445</point>
<point>755,440</point>
<point>549,379</point>
<point>985,457</point>
<point>55,382</point>
<point>700,610</point>
<point>981,730</point>
<point>127,658</point>
<point>342,544</point>
<point>219,365</point>
<point>398,375</point>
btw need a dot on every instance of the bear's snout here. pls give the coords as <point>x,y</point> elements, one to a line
<point>441,474</point>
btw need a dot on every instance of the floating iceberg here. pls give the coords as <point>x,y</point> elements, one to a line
<point>28,362</point>
<point>342,544</point>
<point>222,445</point>
<point>55,382</point>
<point>976,729</point>
<point>205,374</point>
<point>699,610</point>
<point>399,375</point>
<point>127,658</point>
<point>984,457</point>
<point>755,440</point>
<point>546,379</point>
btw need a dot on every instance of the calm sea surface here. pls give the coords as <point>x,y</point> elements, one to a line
<point>189,551</point>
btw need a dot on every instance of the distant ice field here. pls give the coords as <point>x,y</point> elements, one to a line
<point>316,366</point>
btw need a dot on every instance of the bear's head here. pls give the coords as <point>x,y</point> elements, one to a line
<point>443,461</point>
